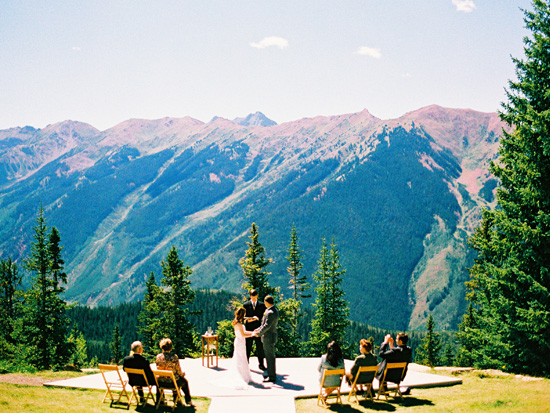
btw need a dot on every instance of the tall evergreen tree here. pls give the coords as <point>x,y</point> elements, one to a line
<point>510,279</point>
<point>58,305</point>
<point>45,324</point>
<point>254,266</point>
<point>176,302</point>
<point>331,308</point>
<point>298,285</point>
<point>298,282</point>
<point>150,318</point>
<point>116,345</point>
<point>10,280</point>
<point>427,352</point>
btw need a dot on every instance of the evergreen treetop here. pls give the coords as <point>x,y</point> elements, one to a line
<point>254,266</point>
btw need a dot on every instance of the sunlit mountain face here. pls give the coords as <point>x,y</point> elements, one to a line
<point>398,197</point>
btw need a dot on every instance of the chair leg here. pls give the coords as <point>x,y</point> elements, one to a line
<point>160,397</point>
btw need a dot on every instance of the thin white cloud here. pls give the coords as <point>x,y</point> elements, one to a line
<point>369,51</point>
<point>76,48</point>
<point>467,6</point>
<point>270,41</point>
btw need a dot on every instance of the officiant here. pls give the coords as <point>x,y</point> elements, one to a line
<point>254,312</point>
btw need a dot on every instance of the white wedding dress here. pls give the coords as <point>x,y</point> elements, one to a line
<point>238,376</point>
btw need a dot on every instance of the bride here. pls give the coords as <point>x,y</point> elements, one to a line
<point>240,362</point>
<point>238,375</point>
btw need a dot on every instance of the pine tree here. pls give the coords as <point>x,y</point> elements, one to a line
<point>77,344</point>
<point>116,345</point>
<point>10,280</point>
<point>298,286</point>
<point>427,353</point>
<point>254,266</point>
<point>150,318</point>
<point>45,322</point>
<point>298,282</point>
<point>510,279</point>
<point>57,263</point>
<point>331,308</point>
<point>448,355</point>
<point>471,339</point>
<point>288,339</point>
<point>58,305</point>
<point>176,300</point>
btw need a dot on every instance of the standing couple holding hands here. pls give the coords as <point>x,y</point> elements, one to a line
<point>255,322</point>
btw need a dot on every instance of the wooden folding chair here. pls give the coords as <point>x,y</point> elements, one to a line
<point>114,383</point>
<point>383,389</point>
<point>140,372</point>
<point>163,385</point>
<point>364,377</point>
<point>328,373</point>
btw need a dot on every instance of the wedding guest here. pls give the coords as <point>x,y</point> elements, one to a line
<point>331,361</point>
<point>136,361</point>
<point>391,354</point>
<point>170,361</point>
<point>366,358</point>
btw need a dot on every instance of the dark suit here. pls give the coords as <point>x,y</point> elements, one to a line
<point>252,311</point>
<point>397,354</point>
<point>268,332</point>
<point>137,361</point>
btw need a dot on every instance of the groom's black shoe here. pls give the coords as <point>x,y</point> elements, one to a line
<point>269,380</point>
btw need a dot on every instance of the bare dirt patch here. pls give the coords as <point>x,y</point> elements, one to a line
<point>28,379</point>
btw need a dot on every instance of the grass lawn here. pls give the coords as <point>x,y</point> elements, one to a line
<point>38,398</point>
<point>478,393</point>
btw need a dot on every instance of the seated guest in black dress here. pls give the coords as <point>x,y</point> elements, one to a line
<point>136,361</point>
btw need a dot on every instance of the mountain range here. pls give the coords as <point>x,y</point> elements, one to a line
<point>399,198</point>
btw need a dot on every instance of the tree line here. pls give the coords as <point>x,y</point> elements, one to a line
<point>42,331</point>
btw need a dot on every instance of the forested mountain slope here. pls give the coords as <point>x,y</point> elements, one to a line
<point>398,196</point>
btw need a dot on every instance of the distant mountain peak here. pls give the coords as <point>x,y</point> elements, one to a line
<point>255,119</point>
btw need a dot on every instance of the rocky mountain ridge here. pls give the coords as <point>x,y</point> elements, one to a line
<point>398,196</point>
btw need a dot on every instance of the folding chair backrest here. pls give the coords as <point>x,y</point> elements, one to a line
<point>366,374</point>
<point>166,374</point>
<point>328,376</point>
<point>396,366</point>
<point>138,372</point>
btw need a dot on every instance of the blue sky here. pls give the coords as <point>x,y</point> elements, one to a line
<point>103,62</point>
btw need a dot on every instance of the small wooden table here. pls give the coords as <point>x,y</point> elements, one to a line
<point>208,343</point>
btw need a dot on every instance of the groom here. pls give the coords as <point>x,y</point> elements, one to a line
<point>255,310</point>
<point>268,332</point>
